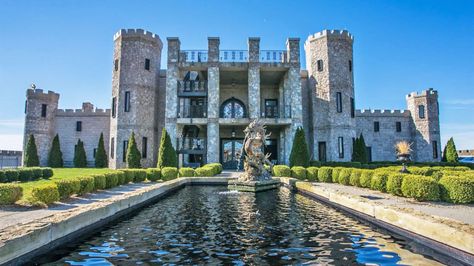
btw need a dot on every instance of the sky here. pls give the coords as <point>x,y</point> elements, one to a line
<point>400,46</point>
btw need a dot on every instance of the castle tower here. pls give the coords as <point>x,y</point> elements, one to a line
<point>40,117</point>
<point>424,111</point>
<point>135,79</point>
<point>331,81</point>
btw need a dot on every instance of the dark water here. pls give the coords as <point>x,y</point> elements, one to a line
<point>207,225</point>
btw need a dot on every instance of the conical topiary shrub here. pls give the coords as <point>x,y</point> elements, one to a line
<point>359,150</point>
<point>167,155</point>
<point>451,153</point>
<point>31,153</point>
<point>80,159</point>
<point>100,155</point>
<point>299,155</point>
<point>133,154</point>
<point>55,158</point>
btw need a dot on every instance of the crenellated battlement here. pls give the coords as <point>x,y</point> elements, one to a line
<point>344,34</point>
<point>40,93</point>
<point>81,112</point>
<point>138,33</point>
<point>382,112</point>
<point>423,93</point>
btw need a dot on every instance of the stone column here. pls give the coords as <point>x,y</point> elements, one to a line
<point>172,73</point>
<point>254,78</point>
<point>213,101</point>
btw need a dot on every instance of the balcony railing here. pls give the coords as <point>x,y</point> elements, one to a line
<point>273,112</point>
<point>233,55</point>
<point>192,144</point>
<point>273,56</point>
<point>195,55</point>
<point>192,111</point>
<point>192,86</point>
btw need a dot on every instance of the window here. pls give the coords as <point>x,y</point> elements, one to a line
<point>116,64</point>
<point>127,102</point>
<point>233,108</point>
<point>435,149</point>
<point>79,126</point>
<point>340,146</point>
<point>114,107</point>
<point>376,126</point>
<point>350,65</point>
<point>320,65</point>
<point>144,147</point>
<point>339,102</point>
<point>147,64</point>
<point>125,147</point>
<point>421,111</point>
<point>352,108</point>
<point>26,105</point>
<point>43,110</point>
<point>398,126</point>
<point>322,151</point>
<point>271,108</point>
<point>112,148</point>
<point>94,152</point>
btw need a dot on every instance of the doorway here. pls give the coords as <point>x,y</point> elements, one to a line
<point>230,153</point>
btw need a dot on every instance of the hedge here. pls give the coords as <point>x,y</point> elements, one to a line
<point>25,174</point>
<point>298,172</point>
<point>379,180</point>
<point>354,179</point>
<point>325,174</point>
<point>120,178</point>
<point>335,174</point>
<point>47,193</point>
<point>67,187</point>
<point>169,173</point>
<point>3,178</point>
<point>87,185</point>
<point>100,181</point>
<point>203,171</point>
<point>366,178</point>
<point>217,166</point>
<point>421,188</point>
<point>312,173</point>
<point>140,175</point>
<point>281,171</point>
<point>457,189</point>
<point>186,172</point>
<point>394,183</point>
<point>111,180</point>
<point>153,174</point>
<point>344,176</point>
<point>11,175</point>
<point>10,193</point>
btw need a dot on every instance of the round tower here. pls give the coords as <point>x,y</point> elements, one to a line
<point>135,79</point>
<point>330,74</point>
<point>40,117</point>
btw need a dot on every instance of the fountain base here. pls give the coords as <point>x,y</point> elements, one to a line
<point>253,186</point>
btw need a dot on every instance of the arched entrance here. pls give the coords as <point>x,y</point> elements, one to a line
<point>233,108</point>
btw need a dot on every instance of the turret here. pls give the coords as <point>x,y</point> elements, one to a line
<point>40,116</point>
<point>331,81</point>
<point>135,79</point>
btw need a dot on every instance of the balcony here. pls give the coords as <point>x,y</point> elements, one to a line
<point>273,56</point>
<point>192,111</point>
<point>195,55</point>
<point>233,56</point>
<point>273,112</point>
<point>192,145</point>
<point>192,88</point>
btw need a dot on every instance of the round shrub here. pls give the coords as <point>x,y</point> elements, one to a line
<point>394,183</point>
<point>379,180</point>
<point>281,171</point>
<point>153,174</point>
<point>216,166</point>
<point>37,173</point>
<point>11,175</point>
<point>457,189</point>
<point>335,174</point>
<point>325,174</point>
<point>203,171</point>
<point>427,171</point>
<point>3,178</point>
<point>47,193</point>
<point>186,172</point>
<point>344,176</point>
<point>129,175</point>
<point>354,180</point>
<point>99,181</point>
<point>121,178</point>
<point>87,185</point>
<point>68,187</point>
<point>111,180</point>
<point>25,174</point>
<point>10,193</point>
<point>366,178</point>
<point>420,187</point>
<point>47,172</point>
<point>298,172</point>
<point>140,175</point>
<point>169,173</point>
<point>312,173</point>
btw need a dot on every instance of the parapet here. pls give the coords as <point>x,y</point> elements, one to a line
<point>343,34</point>
<point>380,113</point>
<point>82,112</point>
<point>423,93</point>
<point>138,33</point>
<point>39,93</point>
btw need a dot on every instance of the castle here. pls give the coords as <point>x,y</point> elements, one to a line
<point>205,98</point>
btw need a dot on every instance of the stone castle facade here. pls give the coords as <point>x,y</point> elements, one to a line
<point>205,98</point>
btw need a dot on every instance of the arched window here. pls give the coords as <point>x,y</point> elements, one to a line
<point>233,108</point>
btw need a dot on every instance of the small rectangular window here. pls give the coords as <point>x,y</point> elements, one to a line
<point>376,126</point>
<point>352,108</point>
<point>116,64</point>
<point>26,105</point>
<point>339,102</point>
<point>43,110</point>
<point>350,65</point>
<point>340,145</point>
<point>421,111</point>
<point>398,125</point>
<point>127,102</point>
<point>114,107</point>
<point>322,151</point>
<point>125,147</point>
<point>147,64</point>
<point>320,65</point>
<point>94,152</point>
<point>112,148</point>
<point>435,149</point>
<point>79,126</point>
<point>144,147</point>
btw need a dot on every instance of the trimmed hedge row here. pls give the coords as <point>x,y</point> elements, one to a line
<point>25,174</point>
<point>211,169</point>
<point>381,164</point>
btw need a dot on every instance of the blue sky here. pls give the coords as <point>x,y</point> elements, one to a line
<point>400,46</point>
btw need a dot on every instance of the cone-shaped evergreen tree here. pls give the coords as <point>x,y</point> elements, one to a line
<point>133,154</point>
<point>55,158</point>
<point>167,155</point>
<point>443,158</point>
<point>80,160</point>
<point>359,150</point>
<point>299,155</point>
<point>31,153</point>
<point>100,155</point>
<point>451,153</point>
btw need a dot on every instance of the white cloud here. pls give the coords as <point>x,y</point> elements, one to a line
<point>11,142</point>
<point>459,102</point>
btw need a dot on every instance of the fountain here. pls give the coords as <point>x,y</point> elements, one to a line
<point>256,177</point>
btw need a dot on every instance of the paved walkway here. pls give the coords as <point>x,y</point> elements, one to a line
<point>462,213</point>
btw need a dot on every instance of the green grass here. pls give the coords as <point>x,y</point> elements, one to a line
<point>59,173</point>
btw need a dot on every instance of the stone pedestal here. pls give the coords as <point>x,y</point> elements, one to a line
<point>253,186</point>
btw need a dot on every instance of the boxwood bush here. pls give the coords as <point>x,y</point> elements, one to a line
<point>186,172</point>
<point>379,180</point>
<point>26,174</point>
<point>10,193</point>
<point>11,175</point>
<point>99,181</point>
<point>281,171</point>
<point>129,175</point>
<point>46,193</point>
<point>394,183</point>
<point>140,175</point>
<point>3,178</point>
<point>354,180</point>
<point>169,173</point>
<point>153,174</point>
<point>457,189</point>
<point>312,173</point>
<point>344,176</point>
<point>36,172</point>
<point>111,180</point>
<point>120,178</point>
<point>419,187</point>
<point>325,174</point>
<point>68,187</point>
<point>47,172</point>
<point>298,172</point>
<point>335,174</point>
<point>216,166</point>
<point>87,185</point>
<point>203,171</point>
